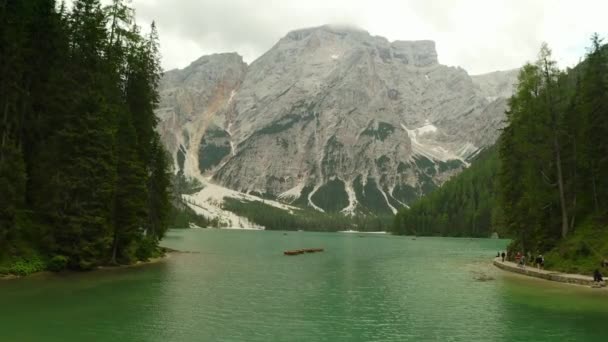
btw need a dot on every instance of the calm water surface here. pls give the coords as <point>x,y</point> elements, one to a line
<point>239,287</point>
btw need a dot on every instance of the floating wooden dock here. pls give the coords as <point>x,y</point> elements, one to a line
<point>302,251</point>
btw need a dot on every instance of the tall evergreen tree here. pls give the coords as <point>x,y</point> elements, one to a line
<point>78,149</point>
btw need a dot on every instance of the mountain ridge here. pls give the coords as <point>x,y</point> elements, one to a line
<point>329,116</point>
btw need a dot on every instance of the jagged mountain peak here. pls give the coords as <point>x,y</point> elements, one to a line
<point>338,39</point>
<point>330,117</point>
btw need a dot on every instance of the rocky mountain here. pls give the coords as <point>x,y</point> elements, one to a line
<point>331,118</point>
<point>497,84</point>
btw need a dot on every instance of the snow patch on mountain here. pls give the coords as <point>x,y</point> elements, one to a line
<point>208,203</point>
<point>427,147</point>
<point>388,203</point>
<point>352,199</point>
<point>293,193</point>
<point>310,202</point>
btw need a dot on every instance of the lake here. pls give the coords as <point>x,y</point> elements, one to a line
<point>238,286</point>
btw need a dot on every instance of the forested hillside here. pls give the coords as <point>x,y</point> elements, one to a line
<point>463,206</point>
<point>546,184</point>
<point>84,179</point>
<point>273,218</point>
<point>554,153</point>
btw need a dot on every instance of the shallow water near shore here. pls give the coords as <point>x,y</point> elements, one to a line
<point>238,286</point>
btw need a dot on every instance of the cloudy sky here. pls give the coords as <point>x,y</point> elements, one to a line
<point>478,35</point>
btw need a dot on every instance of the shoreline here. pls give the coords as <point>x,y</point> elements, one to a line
<point>103,268</point>
<point>559,277</point>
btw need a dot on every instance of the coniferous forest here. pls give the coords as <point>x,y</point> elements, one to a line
<point>547,187</point>
<point>463,206</point>
<point>84,176</point>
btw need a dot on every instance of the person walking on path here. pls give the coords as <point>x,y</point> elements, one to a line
<point>503,255</point>
<point>597,276</point>
<point>518,258</point>
<point>540,262</point>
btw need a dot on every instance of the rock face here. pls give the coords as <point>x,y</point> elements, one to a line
<point>497,84</point>
<point>330,117</point>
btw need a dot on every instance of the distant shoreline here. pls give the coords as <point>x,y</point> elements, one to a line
<point>531,271</point>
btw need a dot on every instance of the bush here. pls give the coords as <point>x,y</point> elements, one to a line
<point>57,263</point>
<point>24,267</point>
<point>147,249</point>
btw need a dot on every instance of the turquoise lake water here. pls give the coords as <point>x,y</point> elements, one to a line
<point>238,286</point>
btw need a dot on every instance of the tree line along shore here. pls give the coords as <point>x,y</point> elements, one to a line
<point>545,182</point>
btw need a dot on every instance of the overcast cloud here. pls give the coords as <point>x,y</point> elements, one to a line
<point>478,35</point>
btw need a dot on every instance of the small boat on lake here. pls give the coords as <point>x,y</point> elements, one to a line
<point>302,251</point>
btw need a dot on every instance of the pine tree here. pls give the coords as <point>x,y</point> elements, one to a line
<point>129,213</point>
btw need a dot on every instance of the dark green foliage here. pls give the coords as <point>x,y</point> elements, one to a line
<point>426,183</point>
<point>214,146</point>
<point>331,197</point>
<point>181,159</point>
<point>333,157</point>
<point>289,120</point>
<point>181,216</point>
<point>57,263</point>
<point>554,165</point>
<point>370,197</point>
<point>402,167</point>
<point>306,219</point>
<point>582,252</point>
<point>210,155</point>
<point>382,163</point>
<point>405,193</point>
<point>450,165</point>
<point>83,177</point>
<point>391,200</point>
<point>545,182</point>
<point>185,185</point>
<point>461,207</point>
<point>381,132</point>
<point>302,201</point>
<point>12,182</point>
<point>265,195</point>
<point>426,165</point>
<point>24,267</point>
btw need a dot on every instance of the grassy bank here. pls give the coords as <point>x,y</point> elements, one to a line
<point>31,263</point>
<point>582,252</point>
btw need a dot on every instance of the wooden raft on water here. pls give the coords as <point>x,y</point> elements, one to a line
<point>302,251</point>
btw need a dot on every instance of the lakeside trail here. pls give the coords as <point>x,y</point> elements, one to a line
<point>531,271</point>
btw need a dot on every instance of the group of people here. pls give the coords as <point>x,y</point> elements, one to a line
<point>539,262</point>
<point>521,259</point>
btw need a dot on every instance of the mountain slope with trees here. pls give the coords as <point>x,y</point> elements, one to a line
<point>83,175</point>
<point>546,184</point>
<point>464,206</point>
<point>554,152</point>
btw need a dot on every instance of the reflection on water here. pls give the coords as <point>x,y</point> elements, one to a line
<point>239,287</point>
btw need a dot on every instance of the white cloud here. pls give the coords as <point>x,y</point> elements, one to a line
<point>478,35</point>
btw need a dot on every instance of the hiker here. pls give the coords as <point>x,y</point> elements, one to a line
<point>523,261</point>
<point>540,262</point>
<point>503,255</point>
<point>518,258</point>
<point>597,276</point>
